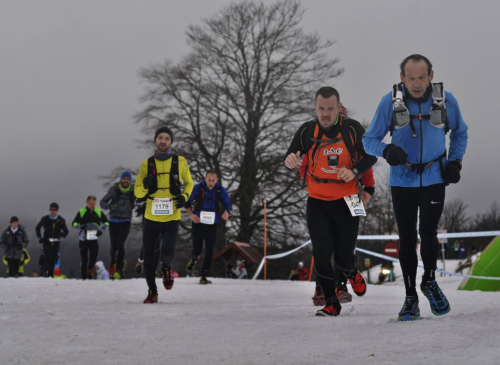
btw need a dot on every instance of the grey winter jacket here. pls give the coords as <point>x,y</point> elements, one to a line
<point>13,250</point>
<point>120,205</point>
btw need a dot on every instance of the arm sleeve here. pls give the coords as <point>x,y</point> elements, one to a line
<point>366,161</point>
<point>38,227</point>
<point>64,228</point>
<point>105,201</point>
<point>77,220</point>
<point>367,179</point>
<point>193,195</point>
<point>226,202</point>
<point>380,125</point>
<point>459,133</point>
<point>186,178</point>
<point>104,219</point>
<point>298,143</point>
<point>139,190</point>
<point>302,168</point>
<point>26,239</point>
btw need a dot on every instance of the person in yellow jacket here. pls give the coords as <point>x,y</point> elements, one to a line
<point>160,178</point>
<point>24,260</point>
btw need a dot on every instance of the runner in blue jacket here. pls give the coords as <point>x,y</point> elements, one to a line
<point>209,201</point>
<point>418,114</point>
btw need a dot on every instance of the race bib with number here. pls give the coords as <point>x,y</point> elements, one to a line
<point>91,235</point>
<point>162,206</point>
<point>355,205</point>
<point>207,217</point>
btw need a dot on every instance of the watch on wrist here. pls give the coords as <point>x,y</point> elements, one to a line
<point>355,171</point>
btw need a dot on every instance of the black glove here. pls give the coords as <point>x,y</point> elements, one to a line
<point>99,233</point>
<point>180,201</point>
<point>452,172</point>
<point>148,180</point>
<point>395,155</point>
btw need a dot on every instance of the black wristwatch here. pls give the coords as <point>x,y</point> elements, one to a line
<point>355,171</point>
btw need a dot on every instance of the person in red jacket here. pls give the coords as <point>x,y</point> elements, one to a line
<point>368,183</point>
<point>300,274</point>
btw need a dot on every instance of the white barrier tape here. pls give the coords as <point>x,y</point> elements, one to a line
<point>390,237</point>
<point>277,256</point>
<point>440,235</point>
<point>437,270</point>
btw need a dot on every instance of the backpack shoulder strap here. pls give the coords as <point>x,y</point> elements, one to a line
<point>152,172</point>
<point>175,183</point>
<point>348,139</point>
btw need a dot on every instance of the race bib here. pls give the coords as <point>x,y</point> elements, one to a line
<point>162,206</point>
<point>355,205</point>
<point>91,235</point>
<point>207,217</point>
<point>53,239</point>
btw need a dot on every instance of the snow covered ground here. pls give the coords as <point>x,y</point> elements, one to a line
<point>52,321</point>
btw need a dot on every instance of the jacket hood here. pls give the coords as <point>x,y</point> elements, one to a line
<point>100,266</point>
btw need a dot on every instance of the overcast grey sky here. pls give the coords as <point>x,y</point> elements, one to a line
<point>69,85</point>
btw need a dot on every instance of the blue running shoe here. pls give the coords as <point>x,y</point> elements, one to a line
<point>410,310</point>
<point>439,304</point>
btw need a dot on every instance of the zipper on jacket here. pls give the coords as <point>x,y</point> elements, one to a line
<point>421,139</point>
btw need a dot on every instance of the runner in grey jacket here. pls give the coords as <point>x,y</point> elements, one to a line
<point>120,201</point>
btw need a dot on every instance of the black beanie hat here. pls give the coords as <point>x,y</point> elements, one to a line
<point>54,205</point>
<point>14,219</point>
<point>164,130</point>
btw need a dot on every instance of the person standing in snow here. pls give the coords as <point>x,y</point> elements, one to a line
<point>88,221</point>
<point>14,239</point>
<point>240,272</point>
<point>336,159</point>
<point>159,180</point>
<point>54,228</point>
<point>300,273</point>
<point>120,201</point>
<point>208,202</point>
<point>418,114</point>
<point>102,273</point>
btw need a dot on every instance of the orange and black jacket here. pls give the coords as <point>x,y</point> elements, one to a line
<point>319,171</point>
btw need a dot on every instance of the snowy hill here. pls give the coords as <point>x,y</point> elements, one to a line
<point>51,321</point>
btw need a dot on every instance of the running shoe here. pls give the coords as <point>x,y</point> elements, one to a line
<point>358,283</point>
<point>139,267</point>
<point>190,266</point>
<point>112,269</point>
<point>331,309</point>
<point>205,281</point>
<point>90,274</point>
<point>439,304</point>
<point>117,275</point>
<point>343,294</point>
<point>168,279</point>
<point>410,310</point>
<point>151,298</point>
<point>319,298</point>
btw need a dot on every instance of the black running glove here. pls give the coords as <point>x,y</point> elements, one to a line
<point>148,180</point>
<point>395,155</point>
<point>99,233</point>
<point>180,201</point>
<point>452,172</point>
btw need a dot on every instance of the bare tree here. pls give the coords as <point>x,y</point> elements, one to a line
<point>234,103</point>
<point>454,218</point>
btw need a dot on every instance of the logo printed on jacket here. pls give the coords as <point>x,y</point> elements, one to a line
<point>332,151</point>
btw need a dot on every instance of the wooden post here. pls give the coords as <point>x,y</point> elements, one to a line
<point>265,239</point>
<point>311,270</point>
